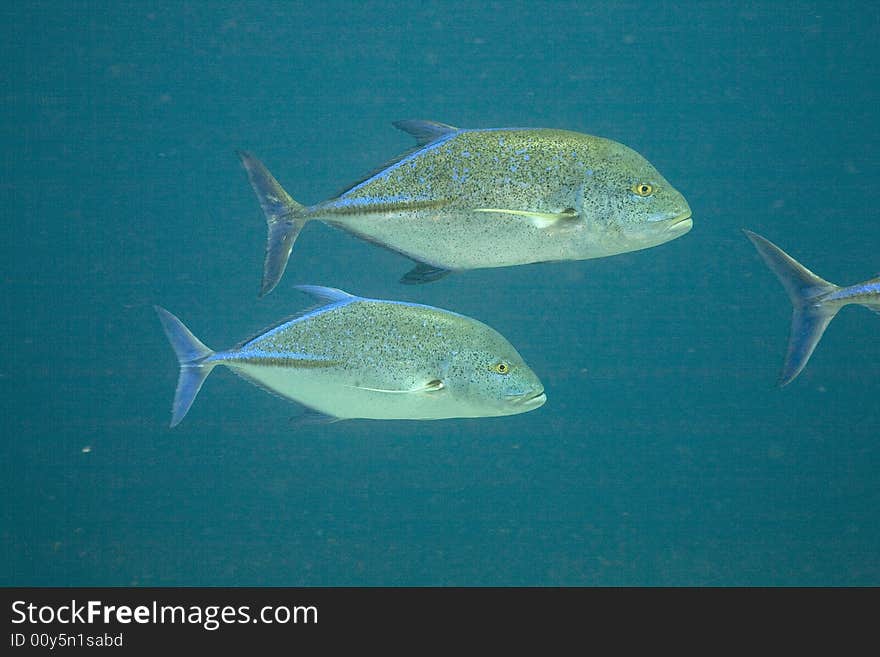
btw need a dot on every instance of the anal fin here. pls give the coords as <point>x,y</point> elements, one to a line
<point>312,417</point>
<point>424,273</point>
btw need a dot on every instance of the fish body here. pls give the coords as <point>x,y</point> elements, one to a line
<point>815,302</point>
<point>470,199</point>
<point>369,358</point>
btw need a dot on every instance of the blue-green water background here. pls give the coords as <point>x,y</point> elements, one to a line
<point>665,454</point>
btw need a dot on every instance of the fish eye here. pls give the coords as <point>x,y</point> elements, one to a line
<point>501,368</point>
<point>643,189</point>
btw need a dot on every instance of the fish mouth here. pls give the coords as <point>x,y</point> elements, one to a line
<point>680,224</point>
<point>533,398</point>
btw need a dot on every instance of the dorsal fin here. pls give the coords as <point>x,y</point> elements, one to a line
<point>425,131</point>
<point>325,294</point>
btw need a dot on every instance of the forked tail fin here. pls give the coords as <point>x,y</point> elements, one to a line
<point>810,315</point>
<point>283,219</point>
<point>191,354</point>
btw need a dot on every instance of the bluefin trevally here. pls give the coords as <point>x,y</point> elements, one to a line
<point>353,357</point>
<point>470,199</point>
<point>815,302</point>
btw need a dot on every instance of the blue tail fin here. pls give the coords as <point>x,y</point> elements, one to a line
<point>191,354</point>
<point>283,219</point>
<point>810,316</point>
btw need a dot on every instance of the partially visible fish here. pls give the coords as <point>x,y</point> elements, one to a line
<point>815,302</point>
<point>368,358</point>
<point>468,199</point>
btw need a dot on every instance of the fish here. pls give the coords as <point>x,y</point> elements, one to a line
<point>353,357</point>
<point>815,303</point>
<point>466,199</point>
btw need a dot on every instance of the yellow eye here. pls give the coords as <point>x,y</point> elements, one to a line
<point>500,368</point>
<point>643,189</point>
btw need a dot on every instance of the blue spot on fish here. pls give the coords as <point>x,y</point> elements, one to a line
<point>459,178</point>
<point>346,202</point>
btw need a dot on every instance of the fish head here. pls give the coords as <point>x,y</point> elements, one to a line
<point>492,379</point>
<point>630,204</point>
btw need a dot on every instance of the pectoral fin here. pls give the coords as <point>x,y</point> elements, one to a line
<point>538,219</point>
<point>431,386</point>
